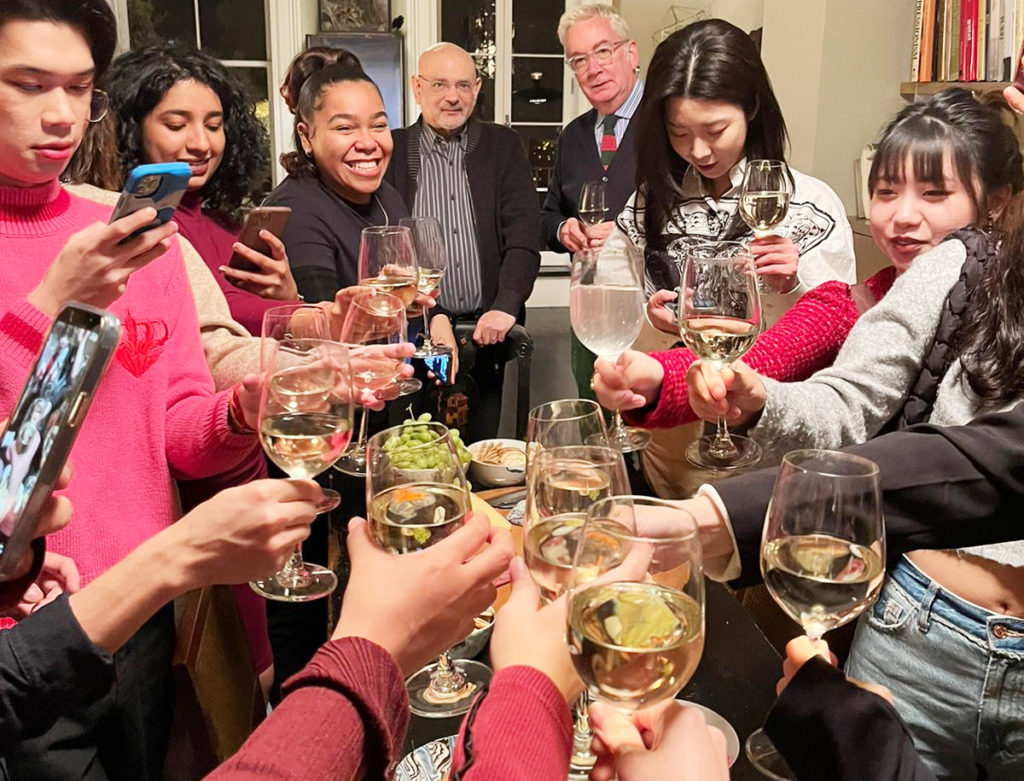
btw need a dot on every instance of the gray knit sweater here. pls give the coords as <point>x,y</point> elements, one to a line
<point>852,400</point>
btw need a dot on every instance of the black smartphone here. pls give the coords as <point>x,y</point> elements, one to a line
<point>46,418</point>
<point>271,218</point>
<point>440,365</point>
<point>159,185</point>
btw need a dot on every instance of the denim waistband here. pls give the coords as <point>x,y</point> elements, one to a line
<point>998,632</point>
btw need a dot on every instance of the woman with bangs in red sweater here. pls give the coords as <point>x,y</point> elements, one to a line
<point>651,388</point>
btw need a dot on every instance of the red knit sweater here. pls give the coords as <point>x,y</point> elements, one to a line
<point>345,716</point>
<point>803,340</point>
<point>155,416</point>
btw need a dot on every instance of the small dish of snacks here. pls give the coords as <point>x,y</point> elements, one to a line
<point>475,641</point>
<point>498,462</point>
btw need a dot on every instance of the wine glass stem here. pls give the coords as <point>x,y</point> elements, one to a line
<point>294,574</point>
<point>446,679</point>
<point>722,443</point>
<point>361,442</point>
<point>617,424</point>
<point>426,327</point>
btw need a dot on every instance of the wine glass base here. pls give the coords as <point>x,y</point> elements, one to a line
<point>409,386</point>
<point>430,350</point>
<point>766,759</point>
<point>330,500</point>
<point>702,453</point>
<point>627,439</point>
<point>353,464</point>
<point>424,702</point>
<point>316,584</point>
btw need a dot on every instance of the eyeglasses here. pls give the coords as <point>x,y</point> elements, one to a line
<point>602,56</point>
<point>99,105</point>
<point>441,87</point>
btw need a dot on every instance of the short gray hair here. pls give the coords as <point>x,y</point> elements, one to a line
<point>588,11</point>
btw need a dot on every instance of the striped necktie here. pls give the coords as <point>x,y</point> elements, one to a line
<point>608,143</point>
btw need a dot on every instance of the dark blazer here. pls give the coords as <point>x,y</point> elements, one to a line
<point>577,161</point>
<point>827,727</point>
<point>943,487</point>
<point>504,202</point>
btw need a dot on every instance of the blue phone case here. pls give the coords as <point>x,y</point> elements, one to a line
<point>159,185</point>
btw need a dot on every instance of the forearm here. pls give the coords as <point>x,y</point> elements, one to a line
<point>522,731</point>
<point>200,441</point>
<point>519,269</point>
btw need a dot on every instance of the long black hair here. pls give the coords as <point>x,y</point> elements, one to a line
<point>322,74</point>
<point>707,60</point>
<point>983,149</point>
<point>139,80</point>
<point>92,18</point>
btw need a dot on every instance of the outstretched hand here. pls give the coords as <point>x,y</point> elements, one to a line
<point>632,382</point>
<point>734,392</point>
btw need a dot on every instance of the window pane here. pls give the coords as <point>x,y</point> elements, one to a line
<point>255,82</point>
<point>535,27</point>
<point>470,24</point>
<point>539,143</point>
<point>233,29</point>
<point>537,89</point>
<point>162,21</point>
<point>485,68</point>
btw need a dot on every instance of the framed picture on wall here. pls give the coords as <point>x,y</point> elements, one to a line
<point>343,16</point>
<point>380,54</point>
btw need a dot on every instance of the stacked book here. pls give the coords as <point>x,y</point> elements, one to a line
<point>966,40</point>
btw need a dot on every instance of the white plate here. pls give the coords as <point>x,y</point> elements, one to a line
<point>429,762</point>
<point>714,719</point>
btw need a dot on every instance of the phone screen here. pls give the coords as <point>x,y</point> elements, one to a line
<point>439,365</point>
<point>43,409</point>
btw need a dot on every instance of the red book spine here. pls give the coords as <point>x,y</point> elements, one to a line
<point>969,40</point>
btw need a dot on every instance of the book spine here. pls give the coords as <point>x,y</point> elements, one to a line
<point>915,52</point>
<point>967,47</point>
<point>993,67</point>
<point>927,72</point>
<point>940,40</point>
<point>953,54</point>
<point>1007,34</point>
<point>982,33</point>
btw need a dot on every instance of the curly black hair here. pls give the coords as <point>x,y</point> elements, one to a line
<point>139,80</point>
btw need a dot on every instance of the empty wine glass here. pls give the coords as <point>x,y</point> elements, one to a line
<point>388,263</point>
<point>372,319</point>
<point>606,309</point>
<point>636,601</point>
<point>822,553</point>
<point>719,319</point>
<point>416,495</point>
<point>765,194</point>
<point>565,422</point>
<point>432,260</point>
<point>305,424</point>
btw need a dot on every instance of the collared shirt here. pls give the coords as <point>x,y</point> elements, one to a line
<point>816,223</point>
<point>624,113</point>
<point>443,192</point>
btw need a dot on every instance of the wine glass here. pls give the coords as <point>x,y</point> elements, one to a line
<point>416,495</point>
<point>387,262</point>
<point>372,319</point>
<point>606,309</point>
<point>636,601</point>
<point>822,552</point>
<point>764,199</point>
<point>592,207</point>
<point>563,482</point>
<point>305,424</point>
<point>432,258</point>
<point>719,319</point>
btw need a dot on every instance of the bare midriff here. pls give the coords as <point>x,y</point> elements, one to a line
<point>998,588</point>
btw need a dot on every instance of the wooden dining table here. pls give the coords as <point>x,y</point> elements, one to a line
<point>736,676</point>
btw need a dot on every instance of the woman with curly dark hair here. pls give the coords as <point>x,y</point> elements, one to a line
<point>177,105</point>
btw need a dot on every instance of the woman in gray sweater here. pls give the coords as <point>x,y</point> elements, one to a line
<point>947,633</point>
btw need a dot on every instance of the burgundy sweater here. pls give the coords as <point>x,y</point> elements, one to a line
<point>345,716</point>
<point>213,241</point>
<point>806,338</point>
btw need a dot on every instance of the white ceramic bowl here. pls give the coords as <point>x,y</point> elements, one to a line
<point>497,475</point>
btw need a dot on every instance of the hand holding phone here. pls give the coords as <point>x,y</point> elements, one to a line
<point>46,420</point>
<point>268,218</point>
<point>157,185</point>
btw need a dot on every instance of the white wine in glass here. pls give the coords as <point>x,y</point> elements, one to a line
<point>592,209</point>
<point>765,194</point>
<point>432,259</point>
<point>720,319</point>
<point>636,604</point>
<point>822,553</point>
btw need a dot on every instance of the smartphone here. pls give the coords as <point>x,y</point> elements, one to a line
<point>1018,76</point>
<point>440,365</point>
<point>46,419</point>
<point>159,185</point>
<point>271,218</point>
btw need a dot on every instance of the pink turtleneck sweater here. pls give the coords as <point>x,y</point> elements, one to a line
<point>155,416</point>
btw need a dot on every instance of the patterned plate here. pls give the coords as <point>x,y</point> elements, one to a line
<point>430,762</point>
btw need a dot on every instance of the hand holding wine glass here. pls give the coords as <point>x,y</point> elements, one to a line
<point>822,552</point>
<point>719,319</point>
<point>592,209</point>
<point>765,194</point>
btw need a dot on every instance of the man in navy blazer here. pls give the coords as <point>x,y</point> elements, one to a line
<point>604,59</point>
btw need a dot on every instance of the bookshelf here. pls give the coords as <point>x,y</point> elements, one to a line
<point>910,90</point>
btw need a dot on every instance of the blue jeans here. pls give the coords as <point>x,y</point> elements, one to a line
<point>956,672</point>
